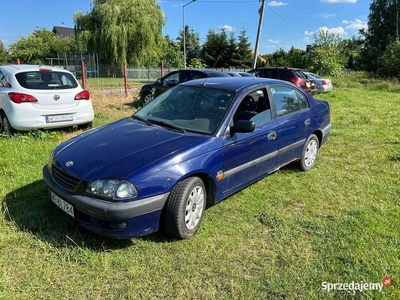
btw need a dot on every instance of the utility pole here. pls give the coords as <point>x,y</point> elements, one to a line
<point>184,32</point>
<point>261,13</point>
<point>397,22</point>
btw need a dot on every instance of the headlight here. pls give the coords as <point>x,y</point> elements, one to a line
<point>112,188</point>
<point>51,158</point>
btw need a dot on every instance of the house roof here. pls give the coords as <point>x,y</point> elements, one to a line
<point>63,31</point>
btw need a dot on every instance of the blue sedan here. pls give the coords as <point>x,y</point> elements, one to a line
<point>191,147</point>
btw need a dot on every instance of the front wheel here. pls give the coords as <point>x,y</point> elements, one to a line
<point>309,153</point>
<point>147,97</point>
<point>185,208</point>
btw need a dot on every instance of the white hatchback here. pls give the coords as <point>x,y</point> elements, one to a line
<point>41,97</point>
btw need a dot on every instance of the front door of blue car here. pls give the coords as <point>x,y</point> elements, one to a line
<point>250,156</point>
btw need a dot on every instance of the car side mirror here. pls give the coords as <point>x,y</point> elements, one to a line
<point>242,126</point>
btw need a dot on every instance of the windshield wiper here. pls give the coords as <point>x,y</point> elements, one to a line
<point>168,125</point>
<point>142,120</point>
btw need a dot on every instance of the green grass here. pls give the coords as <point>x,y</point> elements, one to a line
<point>277,239</point>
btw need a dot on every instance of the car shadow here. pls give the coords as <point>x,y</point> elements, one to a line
<point>31,211</point>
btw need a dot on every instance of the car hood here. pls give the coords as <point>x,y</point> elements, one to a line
<point>120,149</point>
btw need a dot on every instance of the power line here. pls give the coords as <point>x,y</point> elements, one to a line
<point>285,20</point>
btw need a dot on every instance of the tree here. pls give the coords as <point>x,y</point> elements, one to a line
<point>296,58</point>
<point>192,41</point>
<point>123,30</point>
<point>245,58</point>
<point>41,44</point>
<point>215,49</point>
<point>172,56</point>
<point>382,31</point>
<point>327,54</point>
<point>352,49</point>
<point>390,62</point>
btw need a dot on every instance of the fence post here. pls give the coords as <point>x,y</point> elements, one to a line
<point>162,69</point>
<point>83,74</point>
<point>125,80</point>
<point>18,61</point>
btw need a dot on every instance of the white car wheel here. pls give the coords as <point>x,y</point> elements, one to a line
<point>185,208</point>
<point>309,154</point>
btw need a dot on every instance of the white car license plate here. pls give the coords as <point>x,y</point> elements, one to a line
<point>68,208</point>
<point>59,118</point>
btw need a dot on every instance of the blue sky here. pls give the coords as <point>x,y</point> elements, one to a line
<point>286,23</point>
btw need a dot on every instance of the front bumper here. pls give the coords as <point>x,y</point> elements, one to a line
<point>120,220</point>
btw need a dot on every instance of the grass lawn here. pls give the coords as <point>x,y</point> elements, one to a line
<point>288,236</point>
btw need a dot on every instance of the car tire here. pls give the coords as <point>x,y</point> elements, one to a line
<point>185,208</point>
<point>5,125</point>
<point>147,97</point>
<point>309,154</point>
<point>85,126</point>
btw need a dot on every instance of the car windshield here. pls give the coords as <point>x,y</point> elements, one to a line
<point>193,109</point>
<point>40,80</point>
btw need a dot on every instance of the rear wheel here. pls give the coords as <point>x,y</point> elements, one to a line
<point>309,154</point>
<point>185,208</point>
<point>85,126</point>
<point>5,125</point>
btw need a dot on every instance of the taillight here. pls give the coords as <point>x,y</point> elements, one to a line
<point>84,95</point>
<point>323,82</point>
<point>21,98</point>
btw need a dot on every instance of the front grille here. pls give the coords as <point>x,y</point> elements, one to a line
<point>64,179</point>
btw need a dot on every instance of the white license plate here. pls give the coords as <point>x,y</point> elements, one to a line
<point>59,118</point>
<point>68,208</point>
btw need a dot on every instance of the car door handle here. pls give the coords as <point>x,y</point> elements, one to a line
<point>272,135</point>
<point>307,122</point>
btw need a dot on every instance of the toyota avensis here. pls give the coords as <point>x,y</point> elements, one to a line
<point>41,97</point>
<point>190,147</point>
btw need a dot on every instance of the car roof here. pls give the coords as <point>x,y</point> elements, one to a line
<point>17,68</point>
<point>279,68</point>
<point>214,73</point>
<point>233,83</point>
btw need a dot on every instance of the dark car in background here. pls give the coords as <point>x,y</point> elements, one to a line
<point>151,90</point>
<point>293,75</point>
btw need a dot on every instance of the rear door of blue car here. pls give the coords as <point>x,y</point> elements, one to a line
<point>293,116</point>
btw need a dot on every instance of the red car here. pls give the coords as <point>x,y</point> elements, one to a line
<point>293,75</point>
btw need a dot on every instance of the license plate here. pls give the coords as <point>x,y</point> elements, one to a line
<point>59,118</point>
<point>68,208</point>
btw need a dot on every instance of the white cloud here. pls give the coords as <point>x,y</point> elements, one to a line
<point>276,3</point>
<point>308,32</point>
<point>338,30</point>
<point>274,41</point>
<point>356,24</point>
<point>227,28</point>
<point>326,16</point>
<point>339,1</point>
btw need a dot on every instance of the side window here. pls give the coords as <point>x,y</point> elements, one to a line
<point>287,100</point>
<point>285,75</point>
<point>3,80</point>
<point>254,107</point>
<point>303,101</point>
<point>171,79</point>
<point>270,73</point>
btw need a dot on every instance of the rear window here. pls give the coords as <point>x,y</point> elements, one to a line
<point>37,80</point>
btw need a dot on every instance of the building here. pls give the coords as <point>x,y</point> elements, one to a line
<point>63,31</point>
